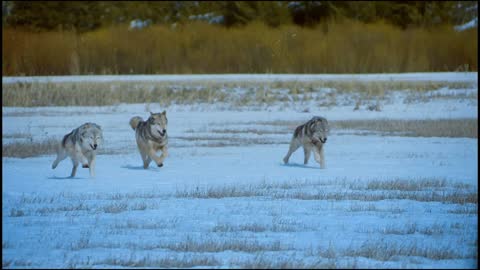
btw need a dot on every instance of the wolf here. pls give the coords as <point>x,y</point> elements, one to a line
<point>151,136</point>
<point>80,145</point>
<point>312,136</point>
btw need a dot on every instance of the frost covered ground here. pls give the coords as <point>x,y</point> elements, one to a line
<point>387,198</point>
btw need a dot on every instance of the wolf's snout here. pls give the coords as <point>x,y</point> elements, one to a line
<point>164,130</point>
<point>324,140</point>
<point>95,145</point>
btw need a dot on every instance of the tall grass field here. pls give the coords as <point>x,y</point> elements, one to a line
<point>335,47</point>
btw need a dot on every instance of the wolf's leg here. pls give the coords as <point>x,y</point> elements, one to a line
<point>294,145</point>
<point>163,155</point>
<point>91,163</point>
<point>77,157</point>
<point>158,160</point>
<point>61,155</point>
<point>74,169</point>
<point>319,156</point>
<point>322,158</point>
<point>146,160</point>
<point>307,150</point>
<point>76,153</point>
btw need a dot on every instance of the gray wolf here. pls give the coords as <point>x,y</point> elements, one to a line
<point>312,136</point>
<point>151,136</point>
<point>80,145</point>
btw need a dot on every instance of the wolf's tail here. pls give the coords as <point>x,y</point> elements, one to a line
<point>135,121</point>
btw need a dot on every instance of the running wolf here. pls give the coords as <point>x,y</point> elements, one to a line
<point>312,136</point>
<point>80,145</point>
<point>151,136</point>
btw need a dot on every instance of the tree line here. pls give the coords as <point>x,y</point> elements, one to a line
<point>85,16</point>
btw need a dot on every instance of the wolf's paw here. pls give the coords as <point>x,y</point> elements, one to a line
<point>160,165</point>
<point>285,160</point>
<point>85,166</point>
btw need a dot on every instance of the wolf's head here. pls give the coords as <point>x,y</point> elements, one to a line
<point>158,124</point>
<point>319,128</point>
<point>91,136</point>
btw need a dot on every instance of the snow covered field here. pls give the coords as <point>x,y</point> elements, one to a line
<point>438,76</point>
<point>224,198</point>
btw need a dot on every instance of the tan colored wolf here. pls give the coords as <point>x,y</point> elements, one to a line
<point>312,136</point>
<point>80,145</point>
<point>151,136</point>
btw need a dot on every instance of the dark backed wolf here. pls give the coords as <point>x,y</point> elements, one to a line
<point>151,136</point>
<point>80,145</point>
<point>312,136</point>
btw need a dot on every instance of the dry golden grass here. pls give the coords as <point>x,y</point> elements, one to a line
<point>165,93</point>
<point>452,128</point>
<point>347,47</point>
<point>462,128</point>
<point>30,149</point>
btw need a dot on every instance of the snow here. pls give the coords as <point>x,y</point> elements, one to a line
<point>209,17</point>
<point>438,76</point>
<point>139,24</point>
<point>470,24</point>
<point>224,198</point>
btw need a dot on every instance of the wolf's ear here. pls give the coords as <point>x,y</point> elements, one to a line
<point>151,113</point>
<point>164,113</point>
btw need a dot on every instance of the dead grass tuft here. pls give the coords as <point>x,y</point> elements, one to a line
<point>30,148</point>
<point>384,251</point>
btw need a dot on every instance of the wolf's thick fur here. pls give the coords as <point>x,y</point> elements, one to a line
<point>151,136</point>
<point>80,146</point>
<point>312,136</point>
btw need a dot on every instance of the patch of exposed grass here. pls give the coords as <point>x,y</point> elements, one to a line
<point>83,243</point>
<point>30,148</point>
<point>452,128</point>
<point>6,244</point>
<point>247,131</point>
<point>415,128</point>
<point>16,213</point>
<point>211,245</point>
<point>263,261</point>
<point>135,225</point>
<point>115,208</point>
<point>220,192</point>
<point>357,193</point>
<point>20,263</point>
<point>412,228</point>
<point>362,208</point>
<point>251,227</point>
<point>17,136</point>
<point>277,225</point>
<point>189,244</point>
<point>421,189</point>
<point>403,184</point>
<point>426,196</point>
<point>224,141</point>
<point>384,251</point>
<point>49,146</point>
<point>80,206</point>
<point>238,94</point>
<point>170,261</point>
<point>465,210</point>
